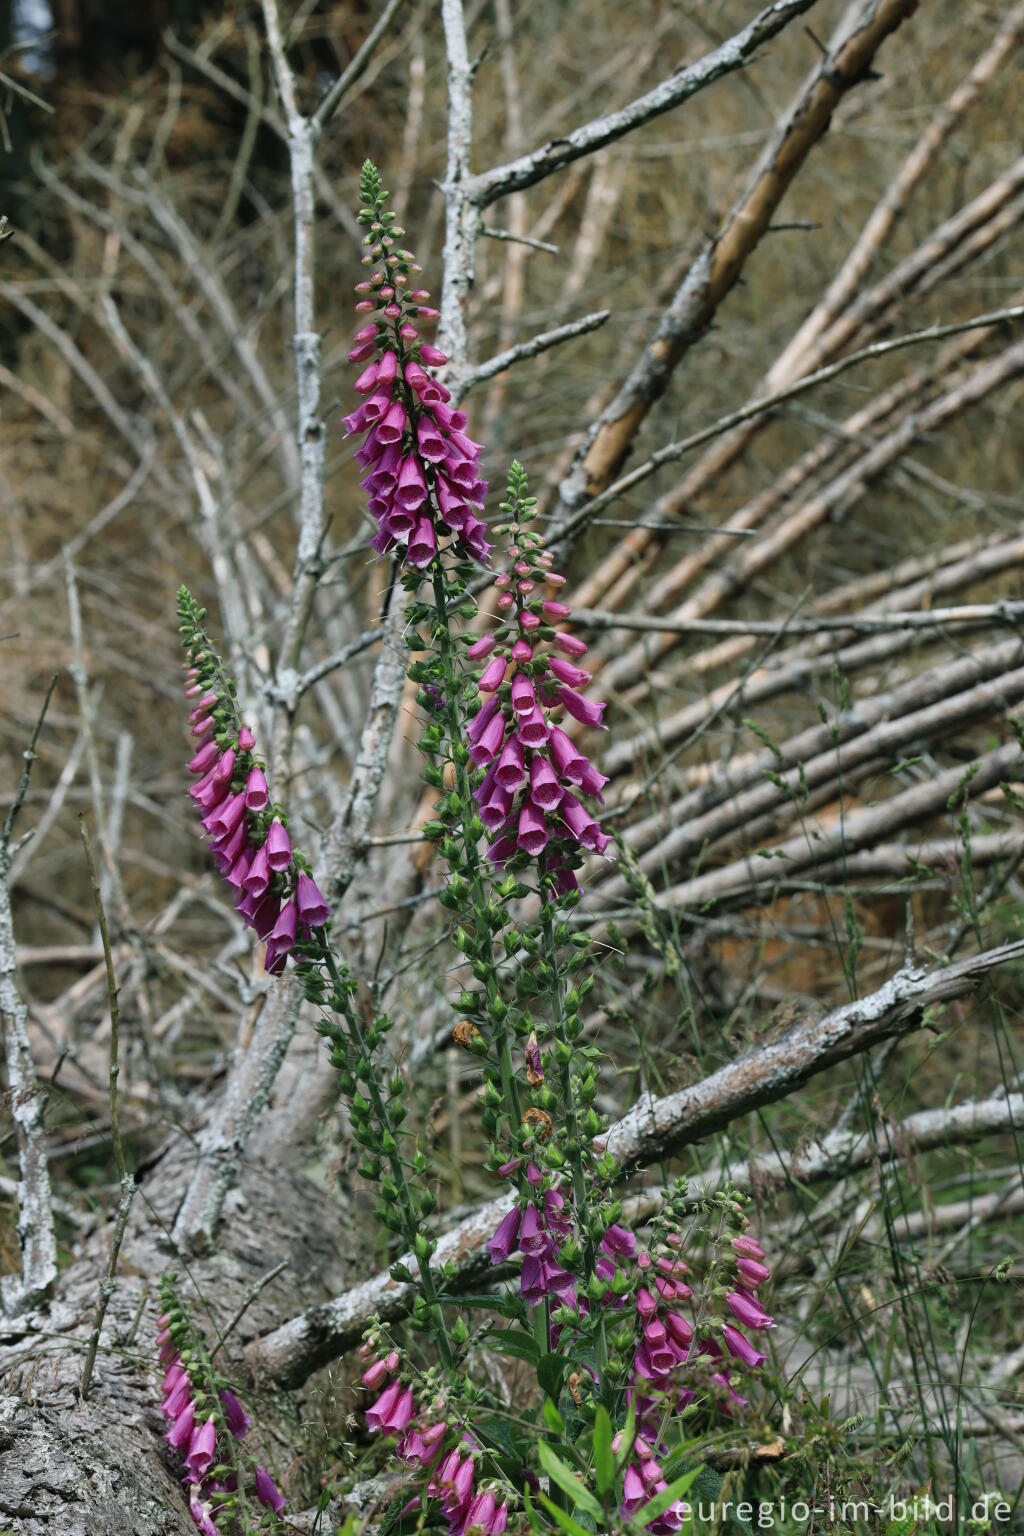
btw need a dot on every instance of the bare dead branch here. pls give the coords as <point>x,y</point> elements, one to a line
<point>654,1129</point>
<point>36,1235</point>
<point>719,264</point>
<point>733,54</point>
<point>971,615</point>
<point>531,348</point>
<point>127,1181</point>
<point>767,403</point>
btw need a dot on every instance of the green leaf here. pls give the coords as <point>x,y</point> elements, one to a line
<point>604,1461</point>
<point>674,1491</point>
<point>392,1515</point>
<point>550,1373</point>
<point>567,1480</point>
<point>625,1450</point>
<point>552,1418</point>
<point>501,1437</point>
<point>509,1342</point>
<point>510,1307</point>
<point>569,1525</point>
<point>709,1485</point>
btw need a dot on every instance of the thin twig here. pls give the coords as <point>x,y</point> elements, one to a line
<point>970,614</point>
<point>251,1295</point>
<point>127,1181</point>
<point>733,54</point>
<point>764,403</point>
<point>532,348</point>
<point>506,234</point>
<point>36,1234</point>
<point>332,101</point>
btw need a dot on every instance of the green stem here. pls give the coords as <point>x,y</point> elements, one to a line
<point>470,850</point>
<point>578,1170</point>
<point>412,1222</point>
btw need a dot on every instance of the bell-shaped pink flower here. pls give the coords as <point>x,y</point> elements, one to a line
<point>524,700</point>
<point>201,1511</point>
<point>570,763</point>
<point>646,1304</point>
<point>752,1273</point>
<point>580,822</point>
<point>570,645</point>
<point>493,675</point>
<point>411,491</point>
<point>278,847</point>
<point>176,1399</point>
<point>552,610</point>
<point>263,915</point>
<point>402,1412</point>
<point>545,790</point>
<point>367,380</point>
<point>258,877</point>
<point>256,797</point>
<point>748,1310</point>
<point>375,409</point>
<point>591,782</point>
<point>482,719</point>
<point>634,1491</point>
<point>586,711</point>
<point>566,672</point>
<point>391,427</point>
<point>533,728</point>
<point>534,1239</point>
<point>202,1449</point>
<point>741,1348</point>
<point>235,1416</point>
<point>679,1328</point>
<point>489,741</point>
<point>422,543</point>
<point>378,1415</point>
<point>481,1512</point>
<point>532,830</point>
<point>379,1371</point>
<point>429,440</point>
<point>180,1432</point>
<point>284,929</point>
<point>205,758</point>
<point>175,1372</point>
<point>511,771</point>
<point>495,813</point>
<point>506,1236</point>
<point>618,1240</point>
<point>224,820</point>
<point>267,1491</point>
<point>313,909</point>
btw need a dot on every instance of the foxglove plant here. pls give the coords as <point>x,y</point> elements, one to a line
<point>638,1340</point>
<point>279,898</point>
<point>420,469</point>
<point>274,888</point>
<point>528,796</point>
<point>228,1492</point>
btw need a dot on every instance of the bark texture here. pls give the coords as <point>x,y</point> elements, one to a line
<point>101,1467</point>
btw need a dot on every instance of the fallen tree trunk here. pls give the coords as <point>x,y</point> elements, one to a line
<point>100,1467</point>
